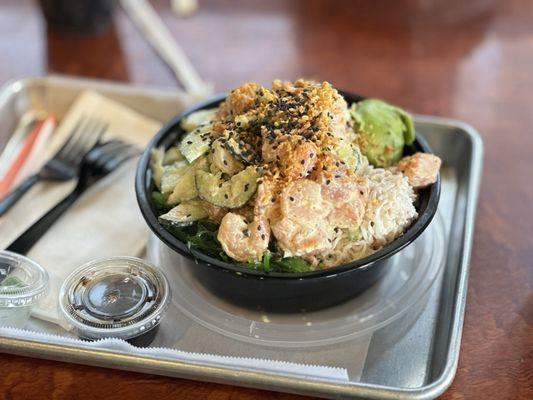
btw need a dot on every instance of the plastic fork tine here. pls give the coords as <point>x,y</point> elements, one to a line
<point>90,132</point>
<point>88,140</point>
<point>112,151</point>
<point>113,146</point>
<point>115,162</point>
<point>63,151</point>
<point>102,130</point>
<point>70,151</point>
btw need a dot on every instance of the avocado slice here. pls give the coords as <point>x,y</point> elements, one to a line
<point>382,131</point>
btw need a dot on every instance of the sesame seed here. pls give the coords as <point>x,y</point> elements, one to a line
<point>263,236</point>
<point>291,198</point>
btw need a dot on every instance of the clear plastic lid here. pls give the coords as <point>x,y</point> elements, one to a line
<point>409,277</point>
<point>120,297</point>
<point>22,281</point>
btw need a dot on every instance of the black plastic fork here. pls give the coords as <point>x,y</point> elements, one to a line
<point>100,161</point>
<point>64,164</point>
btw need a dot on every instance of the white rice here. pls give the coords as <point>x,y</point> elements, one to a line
<point>389,211</point>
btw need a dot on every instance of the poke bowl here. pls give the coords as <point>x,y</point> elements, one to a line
<point>251,283</point>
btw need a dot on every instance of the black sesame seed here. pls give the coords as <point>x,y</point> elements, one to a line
<point>291,198</point>
<point>225,195</point>
<point>302,162</point>
<point>328,182</point>
<point>189,142</point>
<point>263,236</point>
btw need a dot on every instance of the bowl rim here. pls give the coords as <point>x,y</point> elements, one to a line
<point>151,218</point>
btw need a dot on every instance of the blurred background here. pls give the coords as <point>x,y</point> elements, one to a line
<point>415,52</point>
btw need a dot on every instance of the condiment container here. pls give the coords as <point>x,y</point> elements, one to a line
<point>22,283</point>
<point>118,297</point>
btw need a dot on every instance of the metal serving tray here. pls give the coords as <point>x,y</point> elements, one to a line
<point>414,360</point>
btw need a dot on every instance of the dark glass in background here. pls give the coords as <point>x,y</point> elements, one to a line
<point>78,16</point>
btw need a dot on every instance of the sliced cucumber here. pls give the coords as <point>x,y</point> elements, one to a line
<point>352,157</point>
<point>172,155</point>
<point>198,118</point>
<point>196,143</point>
<point>185,213</point>
<point>171,175</point>
<point>223,160</point>
<point>185,188</point>
<point>246,157</point>
<point>232,193</point>
<point>156,165</point>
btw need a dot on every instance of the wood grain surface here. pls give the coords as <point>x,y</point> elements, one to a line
<point>468,60</point>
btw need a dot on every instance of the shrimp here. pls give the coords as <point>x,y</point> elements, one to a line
<point>420,169</point>
<point>265,201</point>
<point>242,241</point>
<point>302,228</point>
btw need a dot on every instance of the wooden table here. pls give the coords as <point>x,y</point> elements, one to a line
<point>473,63</point>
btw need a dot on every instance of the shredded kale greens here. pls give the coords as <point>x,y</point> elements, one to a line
<point>201,237</point>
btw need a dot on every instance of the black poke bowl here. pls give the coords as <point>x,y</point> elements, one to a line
<point>279,291</point>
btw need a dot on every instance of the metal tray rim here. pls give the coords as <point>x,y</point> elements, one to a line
<point>265,380</point>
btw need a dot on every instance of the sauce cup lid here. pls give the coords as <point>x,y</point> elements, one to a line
<point>118,297</point>
<point>22,281</point>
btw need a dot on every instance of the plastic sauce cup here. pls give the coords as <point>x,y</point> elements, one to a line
<point>22,283</point>
<point>117,297</point>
